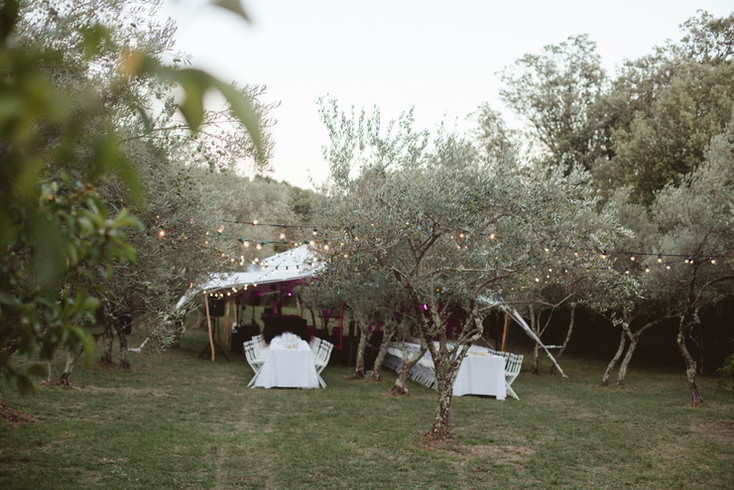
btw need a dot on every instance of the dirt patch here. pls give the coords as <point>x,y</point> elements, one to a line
<point>718,430</point>
<point>16,417</point>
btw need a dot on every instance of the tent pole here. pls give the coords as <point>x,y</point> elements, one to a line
<point>209,324</point>
<point>504,334</point>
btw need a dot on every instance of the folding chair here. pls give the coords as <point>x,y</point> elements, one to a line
<point>513,364</point>
<point>321,359</point>
<point>253,359</point>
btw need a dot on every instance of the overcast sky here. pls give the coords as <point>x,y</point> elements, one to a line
<point>441,57</point>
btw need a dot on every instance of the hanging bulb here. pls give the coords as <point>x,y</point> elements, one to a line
<point>667,266</point>
<point>254,222</point>
<point>603,254</point>
<point>660,258</point>
<point>632,257</point>
<point>647,269</point>
<point>491,236</point>
<point>259,246</point>
<point>713,259</point>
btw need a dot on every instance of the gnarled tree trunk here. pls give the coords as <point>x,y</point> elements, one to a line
<point>110,326</point>
<point>622,373</point>
<point>684,328</point>
<point>445,375</point>
<point>359,365</point>
<point>567,340</point>
<point>401,383</point>
<point>615,359</point>
<point>109,338</point>
<point>377,369</point>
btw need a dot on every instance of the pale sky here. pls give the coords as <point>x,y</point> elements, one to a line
<point>441,57</point>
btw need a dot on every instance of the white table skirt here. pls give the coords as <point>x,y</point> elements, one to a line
<point>481,375</point>
<point>288,368</point>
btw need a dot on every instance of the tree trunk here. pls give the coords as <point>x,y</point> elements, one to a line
<point>445,374</point>
<point>109,337</point>
<point>535,368</point>
<point>401,384</point>
<point>696,336</point>
<point>359,367</point>
<point>124,362</point>
<point>178,331</point>
<point>683,330</point>
<point>615,359</point>
<point>377,369</point>
<point>565,342</point>
<point>65,378</point>
<point>622,374</point>
<point>535,327</point>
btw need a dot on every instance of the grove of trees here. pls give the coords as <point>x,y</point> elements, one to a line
<point>118,192</point>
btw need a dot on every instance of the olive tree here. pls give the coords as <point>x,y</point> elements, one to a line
<point>451,228</point>
<point>70,82</point>
<point>694,220</point>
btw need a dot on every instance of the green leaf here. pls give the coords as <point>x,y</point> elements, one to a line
<point>234,6</point>
<point>244,111</point>
<point>83,335</point>
<point>194,83</point>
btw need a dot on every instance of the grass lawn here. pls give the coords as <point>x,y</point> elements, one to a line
<point>176,421</point>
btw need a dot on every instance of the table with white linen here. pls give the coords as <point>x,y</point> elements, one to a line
<point>288,365</point>
<point>481,374</point>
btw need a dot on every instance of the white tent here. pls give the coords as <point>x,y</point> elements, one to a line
<point>291,267</point>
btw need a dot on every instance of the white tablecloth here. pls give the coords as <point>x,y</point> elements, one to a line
<point>481,375</point>
<point>288,366</point>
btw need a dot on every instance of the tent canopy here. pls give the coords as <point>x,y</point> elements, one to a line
<point>280,271</point>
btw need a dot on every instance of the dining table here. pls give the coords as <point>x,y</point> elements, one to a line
<point>289,363</point>
<point>481,374</point>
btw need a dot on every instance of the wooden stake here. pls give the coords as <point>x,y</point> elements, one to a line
<point>504,334</point>
<point>209,324</point>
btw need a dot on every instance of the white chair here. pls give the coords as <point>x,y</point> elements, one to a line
<point>314,343</point>
<point>513,364</point>
<point>259,339</point>
<point>253,359</point>
<point>321,358</point>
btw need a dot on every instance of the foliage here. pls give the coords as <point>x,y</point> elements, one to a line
<point>453,229</point>
<point>664,108</point>
<point>492,136</point>
<point>73,80</point>
<point>555,92</point>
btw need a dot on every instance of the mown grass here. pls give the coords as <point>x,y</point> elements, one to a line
<point>176,421</point>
